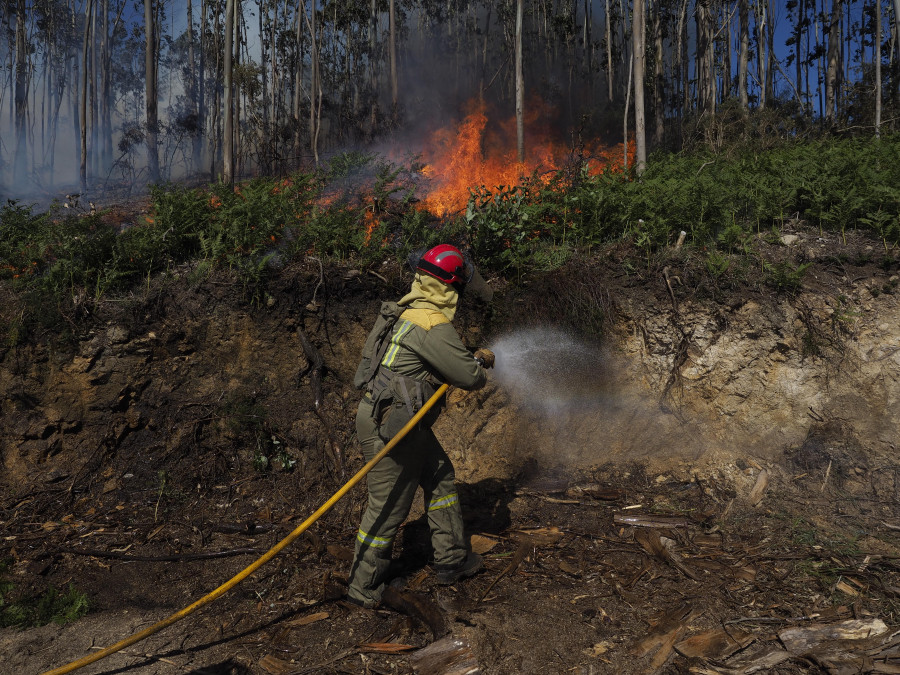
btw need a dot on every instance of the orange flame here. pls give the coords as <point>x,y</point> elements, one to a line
<point>473,154</point>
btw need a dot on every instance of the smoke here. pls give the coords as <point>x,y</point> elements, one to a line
<point>577,403</point>
<point>550,373</point>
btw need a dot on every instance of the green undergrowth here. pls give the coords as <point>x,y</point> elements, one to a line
<point>29,611</point>
<point>361,209</point>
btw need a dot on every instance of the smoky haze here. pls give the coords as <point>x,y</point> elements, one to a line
<point>445,59</point>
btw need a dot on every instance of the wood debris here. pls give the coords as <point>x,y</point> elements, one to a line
<point>667,631</point>
<point>656,522</point>
<point>308,619</point>
<point>664,549</point>
<point>801,639</point>
<point>385,648</point>
<point>541,536</point>
<point>449,656</point>
<point>759,489</point>
<point>716,644</point>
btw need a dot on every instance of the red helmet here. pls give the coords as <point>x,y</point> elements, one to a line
<point>447,263</point>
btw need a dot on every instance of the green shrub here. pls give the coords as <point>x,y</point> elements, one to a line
<point>30,611</point>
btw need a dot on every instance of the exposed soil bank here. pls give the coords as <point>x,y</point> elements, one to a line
<point>182,422</point>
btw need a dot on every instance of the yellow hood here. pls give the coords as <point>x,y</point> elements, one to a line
<point>430,293</point>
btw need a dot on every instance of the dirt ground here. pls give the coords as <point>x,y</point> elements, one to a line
<point>176,440</point>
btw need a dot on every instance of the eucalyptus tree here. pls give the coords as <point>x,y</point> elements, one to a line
<point>640,134</point>
<point>85,74</point>
<point>227,83</point>
<point>520,84</point>
<point>833,70</point>
<point>877,68</point>
<point>150,86</point>
<point>21,86</point>
<point>659,78</point>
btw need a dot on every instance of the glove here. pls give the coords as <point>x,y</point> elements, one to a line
<point>485,357</point>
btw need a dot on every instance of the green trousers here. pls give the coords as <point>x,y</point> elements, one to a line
<point>418,460</point>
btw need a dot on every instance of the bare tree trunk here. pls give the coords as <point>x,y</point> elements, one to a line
<point>897,27</point>
<point>214,145</point>
<point>704,47</point>
<point>744,53</point>
<point>761,62</point>
<point>298,80</point>
<point>625,116</point>
<point>89,9</point>
<point>834,56</point>
<point>877,68</point>
<point>227,76</point>
<point>192,88</point>
<point>727,78</point>
<point>395,87</point>
<point>520,86</point>
<point>659,80</point>
<point>236,123</point>
<point>770,53</point>
<point>315,86</point>
<point>640,132</point>
<point>373,73</point>
<point>609,61</point>
<point>150,75</point>
<point>92,146</point>
<point>681,50</point>
<point>798,42</point>
<point>21,95</point>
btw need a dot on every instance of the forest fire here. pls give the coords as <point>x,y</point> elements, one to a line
<point>474,153</point>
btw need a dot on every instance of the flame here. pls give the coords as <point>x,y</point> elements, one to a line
<point>472,153</point>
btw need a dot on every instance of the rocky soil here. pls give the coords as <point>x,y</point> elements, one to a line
<point>677,466</point>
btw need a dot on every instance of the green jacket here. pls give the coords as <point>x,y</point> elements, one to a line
<point>425,346</point>
<point>422,352</point>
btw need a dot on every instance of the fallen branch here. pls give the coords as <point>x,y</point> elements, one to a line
<point>184,557</point>
<point>517,559</point>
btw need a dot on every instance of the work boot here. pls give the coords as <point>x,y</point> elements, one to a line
<point>450,574</point>
<point>365,604</point>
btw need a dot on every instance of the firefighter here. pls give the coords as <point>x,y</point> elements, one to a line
<point>410,352</point>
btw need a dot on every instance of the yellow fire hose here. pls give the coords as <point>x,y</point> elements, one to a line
<point>275,550</point>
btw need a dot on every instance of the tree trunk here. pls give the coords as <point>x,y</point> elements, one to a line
<point>659,79</point>
<point>877,68</point>
<point>681,50</point>
<point>625,116</point>
<point>640,133</point>
<point>150,75</point>
<point>704,47</point>
<point>192,90</point>
<point>833,70</point>
<point>395,86</point>
<point>897,27</point>
<point>373,73</point>
<point>798,42</point>
<point>236,122</point>
<point>227,77</point>
<point>298,81</point>
<point>315,86</point>
<point>84,86</point>
<point>21,95</point>
<point>520,86</point>
<point>609,61</point>
<point>761,57</point>
<point>770,55</point>
<point>727,78</point>
<point>744,53</point>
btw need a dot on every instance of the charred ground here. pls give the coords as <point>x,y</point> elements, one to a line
<point>174,437</point>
